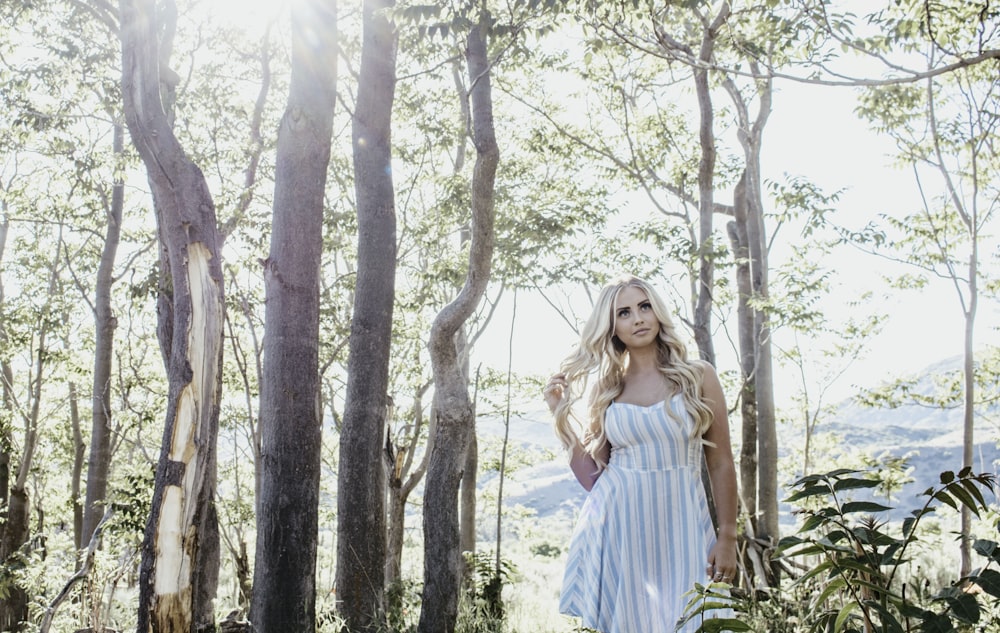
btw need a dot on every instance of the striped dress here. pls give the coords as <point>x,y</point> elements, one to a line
<point>644,533</point>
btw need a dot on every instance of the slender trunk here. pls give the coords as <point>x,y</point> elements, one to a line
<point>442,569</point>
<point>403,477</point>
<point>361,476</point>
<point>706,188</point>
<point>79,449</point>
<point>13,527</point>
<point>99,464</point>
<point>14,603</point>
<point>969,376</point>
<point>737,230</point>
<point>7,378</point>
<point>180,551</point>
<point>284,587</point>
<point>749,134</point>
<point>395,535</point>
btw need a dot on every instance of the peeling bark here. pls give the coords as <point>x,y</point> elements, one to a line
<point>180,552</point>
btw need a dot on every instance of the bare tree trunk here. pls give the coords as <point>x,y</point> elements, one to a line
<point>442,574</point>
<point>79,448</point>
<point>749,134</point>
<point>969,377</point>
<point>737,230</point>
<point>403,477</point>
<point>13,527</point>
<point>99,463</point>
<point>7,377</point>
<point>361,476</point>
<point>180,552</point>
<point>706,188</point>
<point>14,604</point>
<point>284,587</point>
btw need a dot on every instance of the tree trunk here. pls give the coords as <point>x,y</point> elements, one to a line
<point>99,463</point>
<point>402,479</point>
<point>737,230</point>
<point>361,476</point>
<point>180,550</point>
<point>706,188</point>
<point>767,446</point>
<point>14,604</point>
<point>442,574</point>
<point>79,448</point>
<point>284,587</point>
<point>14,523</point>
<point>969,377</point>
<point>749,134</point>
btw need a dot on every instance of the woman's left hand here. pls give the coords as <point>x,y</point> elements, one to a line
<point>722,561</point>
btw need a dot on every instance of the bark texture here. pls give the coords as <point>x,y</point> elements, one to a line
<point>750,133</point>
<point>361,534</point>
<point>284,587</point>
<point>180,551</point>
<point>442,562</point>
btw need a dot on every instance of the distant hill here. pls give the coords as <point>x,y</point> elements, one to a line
<point>932,436</point>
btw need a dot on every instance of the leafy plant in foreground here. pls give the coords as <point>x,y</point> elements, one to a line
<point>857,558</point>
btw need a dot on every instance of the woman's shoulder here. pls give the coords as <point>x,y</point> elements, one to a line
<point>702,365</point>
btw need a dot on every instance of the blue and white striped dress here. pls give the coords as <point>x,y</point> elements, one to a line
<point>644,533</point>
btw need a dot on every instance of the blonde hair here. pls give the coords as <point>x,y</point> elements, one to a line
<point>599,349</point>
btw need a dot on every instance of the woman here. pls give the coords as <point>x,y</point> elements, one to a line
<point>644,536</point>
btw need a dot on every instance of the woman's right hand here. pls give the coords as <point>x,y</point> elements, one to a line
<point>555,391</point>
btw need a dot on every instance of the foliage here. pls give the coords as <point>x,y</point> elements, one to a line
<point>486,610</point>
<point>857,565</point>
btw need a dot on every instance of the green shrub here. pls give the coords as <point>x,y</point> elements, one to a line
<point>855,562</point>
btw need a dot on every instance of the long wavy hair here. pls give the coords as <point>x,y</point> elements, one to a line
<point>602,353</point>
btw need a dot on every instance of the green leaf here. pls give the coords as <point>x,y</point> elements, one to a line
<point>864,506</point>
<point>972,486</point>
<point>958,491</point>
<point>832,587</point>
<point>936,623</point>
<point>989,581</point>
<point>809,491</point>
<point>965,607</point>
<point>947,477</point>
<point>987,548</point>
<point>845,612</point>
<point>944,497</point>
<point>854,483</point>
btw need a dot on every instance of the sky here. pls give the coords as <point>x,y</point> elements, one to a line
<point>814,133</point>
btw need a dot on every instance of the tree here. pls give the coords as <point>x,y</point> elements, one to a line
<point>284,588</point>
<point>442,565</point>
<point>105,323</point>
<point>179,571</point>
<point>944,130</point>
<point>361,477</point>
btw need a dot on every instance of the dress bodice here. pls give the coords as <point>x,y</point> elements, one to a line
<point>648,438</point>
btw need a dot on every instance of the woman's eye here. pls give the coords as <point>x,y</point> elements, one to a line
<point>622,314</point>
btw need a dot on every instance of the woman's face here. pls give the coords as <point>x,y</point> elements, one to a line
<point>635,325</point>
